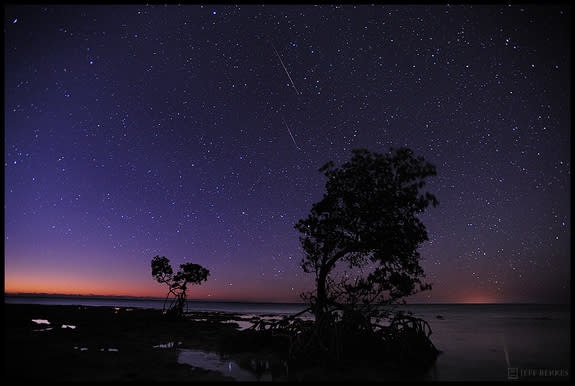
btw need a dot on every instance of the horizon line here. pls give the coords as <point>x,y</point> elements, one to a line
<point>46,294</point>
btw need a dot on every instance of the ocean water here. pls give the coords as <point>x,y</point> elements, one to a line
<point>479,342</point>
<point>499,342</point>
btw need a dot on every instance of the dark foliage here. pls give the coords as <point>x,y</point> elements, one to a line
<point>367,218</point>
<point>360,242</point>
<point>177,283</point>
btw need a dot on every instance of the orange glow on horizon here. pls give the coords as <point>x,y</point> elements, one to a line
<point>79,286</point>
<point>104,280</point>
<point>87,283</point>
<point>69,289</point>
<point>480,299</point>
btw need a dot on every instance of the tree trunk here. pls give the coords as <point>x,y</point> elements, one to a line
<point>320,307</point>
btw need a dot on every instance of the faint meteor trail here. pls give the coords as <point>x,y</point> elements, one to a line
<point>290,134</point>
<point>506,352</point>
<point>506,356</point>
<point>285,69</point>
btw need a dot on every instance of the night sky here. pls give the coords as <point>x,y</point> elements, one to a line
<point>196,133</point>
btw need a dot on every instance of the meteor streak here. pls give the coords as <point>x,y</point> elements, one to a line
<point>285,69</point>
<point>290,134</point>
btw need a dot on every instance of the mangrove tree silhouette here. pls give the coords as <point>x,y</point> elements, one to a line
<point>368,221</point>
<point>360,242</point>
<point>177,283</point>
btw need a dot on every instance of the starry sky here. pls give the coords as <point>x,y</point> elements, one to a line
<point>196,133</point>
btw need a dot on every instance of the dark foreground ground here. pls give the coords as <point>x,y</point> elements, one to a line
<point>117,344</point>
<point>33,354</point>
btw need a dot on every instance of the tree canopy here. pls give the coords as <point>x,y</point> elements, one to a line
<point>368,218</point>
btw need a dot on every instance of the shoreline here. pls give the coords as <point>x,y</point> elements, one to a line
<point>43,295</point>
<point>99,343</point>
<point>115,343</point>
<point>103,343</point>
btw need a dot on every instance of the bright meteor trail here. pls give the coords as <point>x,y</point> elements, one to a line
<point>285,69</point>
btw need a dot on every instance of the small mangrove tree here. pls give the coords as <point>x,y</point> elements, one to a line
<point>177,283</point>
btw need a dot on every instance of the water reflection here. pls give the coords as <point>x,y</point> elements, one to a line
<point>110,349</point>
<point>244,370</point>
<point>242,324</point>
<point>43,329</point>
<point>167,345</point>
<point>45,321</point>
<point>40,321</point>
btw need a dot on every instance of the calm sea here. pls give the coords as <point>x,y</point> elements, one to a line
<point>479,342</point>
